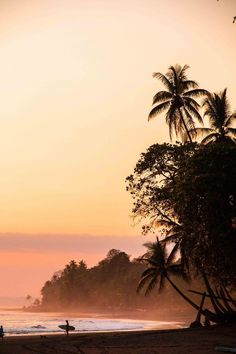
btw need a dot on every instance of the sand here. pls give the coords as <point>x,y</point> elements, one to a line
<point>189,341</point>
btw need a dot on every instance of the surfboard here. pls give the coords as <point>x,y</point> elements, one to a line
<point>70,328</point>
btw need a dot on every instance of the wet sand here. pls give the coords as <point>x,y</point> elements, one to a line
<point>189,341</point>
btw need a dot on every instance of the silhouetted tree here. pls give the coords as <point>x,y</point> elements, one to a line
<point>188,194</point>
<point>217,110</point>
<point>178,100</point>
<point>161,266</point>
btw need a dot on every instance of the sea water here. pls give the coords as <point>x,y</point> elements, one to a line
<point>16,322</point>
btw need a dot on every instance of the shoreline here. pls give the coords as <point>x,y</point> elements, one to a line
<point>185,316</point>
<point>177,341</point>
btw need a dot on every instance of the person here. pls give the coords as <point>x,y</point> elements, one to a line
<point>67,327</point>
<point>1,332</point>
<point>195,324</point>
<point>207,323</point>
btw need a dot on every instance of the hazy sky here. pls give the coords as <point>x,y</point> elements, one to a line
<point>75,90</point>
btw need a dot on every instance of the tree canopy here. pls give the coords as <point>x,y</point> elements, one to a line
<point>187,193</point>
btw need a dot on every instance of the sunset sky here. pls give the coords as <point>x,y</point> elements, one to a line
<point>76,87</point>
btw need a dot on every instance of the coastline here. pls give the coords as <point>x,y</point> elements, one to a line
<point>178,341</point>
<point>181,316</point>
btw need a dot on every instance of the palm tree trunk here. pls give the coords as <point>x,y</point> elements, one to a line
<point>229,296</point>
<point>227,305</point>
<point>209,314</point>
<point>198,318</point>
<point>211,293</point>
<point>224,309</point>
<point>185,126</point>
<point>182,294</point>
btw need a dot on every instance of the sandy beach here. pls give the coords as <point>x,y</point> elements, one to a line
<point>181,341</point>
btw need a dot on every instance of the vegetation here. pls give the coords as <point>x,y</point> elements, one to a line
<point>217,110</point>
<point>108,286</point>
<point>179,100</point>
<point>161,266</point>
<point>186,193</point>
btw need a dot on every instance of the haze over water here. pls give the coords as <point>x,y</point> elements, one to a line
<point>18,323</point>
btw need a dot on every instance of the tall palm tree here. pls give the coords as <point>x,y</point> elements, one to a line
<point>160,268</point>
<point>178,100</point>
<point>221,119</point>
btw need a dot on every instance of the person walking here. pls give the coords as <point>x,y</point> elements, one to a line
<point>67,327</point>
<point>1,332</point>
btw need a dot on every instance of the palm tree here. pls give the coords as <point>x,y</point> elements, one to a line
<point>160,267</point>
<point>178,100</point>
<point>220,118</point>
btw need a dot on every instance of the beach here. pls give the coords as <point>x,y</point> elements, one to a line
<point>181,341</point>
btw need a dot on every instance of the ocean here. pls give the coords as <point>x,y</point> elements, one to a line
<point>16,322</point>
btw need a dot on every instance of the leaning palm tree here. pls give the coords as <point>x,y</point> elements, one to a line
<point>178,100</point>
<point>221,119</point>
<point>160,268</point>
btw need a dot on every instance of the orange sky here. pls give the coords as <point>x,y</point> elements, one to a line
<point>75,90</point>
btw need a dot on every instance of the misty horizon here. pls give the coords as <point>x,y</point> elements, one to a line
<point>31,259</point>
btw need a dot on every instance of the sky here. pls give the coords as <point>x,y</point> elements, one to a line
<point>75,90</point>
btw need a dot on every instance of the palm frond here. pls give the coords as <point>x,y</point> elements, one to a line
<point>155,261</point>
<point>196,93</point>
<point>178,101</point>
<point>225,103</point>
<point>194,112</point>
<point>178,271</point>
<point>164,80</point>
<point>144,282</point>
<point>231,120</point>
<point>172,74</point>
<point>200,132</point>
<point>217,110</point>
<point>159,109</point>
<point>182,72</point>
<point>149,271</point>
<point>172,254</point>
<point>156,253</point>
<point>190,100</point>
<point>210,112</point>
<point>209,138</point>
<point>188,84</point>
<point>153,283</point>
<point>232,132</point>
<point>150,260</point>
<point>161,96</point>
<point>178,72</point>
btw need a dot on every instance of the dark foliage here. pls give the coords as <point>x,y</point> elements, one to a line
<point>221,120</point>
<point>188,193</point>
<point>178,100</point>
<point>109,286</point>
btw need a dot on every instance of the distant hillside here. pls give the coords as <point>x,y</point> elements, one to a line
<point>109,286</point>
